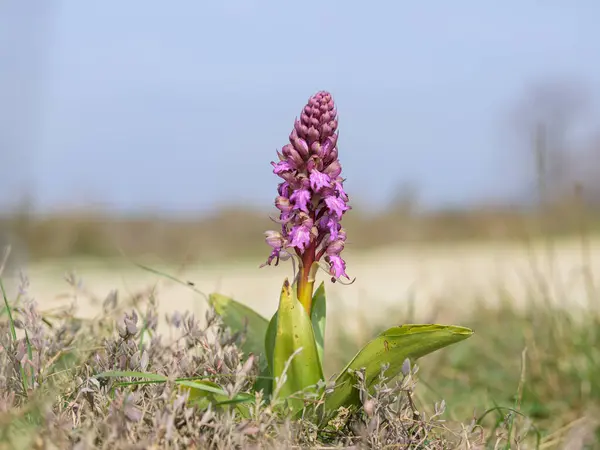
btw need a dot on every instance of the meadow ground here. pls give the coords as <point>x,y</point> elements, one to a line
<point>535,355</point>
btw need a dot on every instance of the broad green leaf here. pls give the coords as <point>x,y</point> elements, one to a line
<point>265,381</point>
<point>235,315</point>
<point>318,315</point>
<point>239,317</point>
<point>270,336</point>
<point>393,347</point>
<point>294,332</point>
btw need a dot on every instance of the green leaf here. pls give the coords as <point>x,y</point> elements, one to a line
<point>265,381</point>
<point>204,386</point>
<point>318,315</point>
<point>294,332</point>
<point>393,347</point>
<point>199,389</point>
<point>239,317</point>
<point>131,374</point>
<point>203,392</point>
<point>202,399</point>
<point>270,337</point>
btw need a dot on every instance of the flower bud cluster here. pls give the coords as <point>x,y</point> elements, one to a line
<point>311,196</point>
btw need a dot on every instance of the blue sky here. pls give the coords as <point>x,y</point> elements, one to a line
<point>180,106</point>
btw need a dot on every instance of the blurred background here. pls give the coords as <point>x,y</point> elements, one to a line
<point>148,128</point>
<point>469,137</point>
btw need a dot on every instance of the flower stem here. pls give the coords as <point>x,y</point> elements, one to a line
<point>306,281</point>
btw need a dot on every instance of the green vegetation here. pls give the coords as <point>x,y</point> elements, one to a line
<point>536,372</point>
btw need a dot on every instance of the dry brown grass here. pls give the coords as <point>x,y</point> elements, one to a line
<point>56,390</point>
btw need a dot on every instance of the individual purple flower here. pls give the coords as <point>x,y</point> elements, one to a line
<point>277,242</point>
<point>283,204</point>
<point>331,226</point>
<point>282,166</point>
<point>301,198</point>
<point>319,180</point>
<point>300,235</point>
<point>311,196</point>
<point>338,266</point>
<point>336,205</point>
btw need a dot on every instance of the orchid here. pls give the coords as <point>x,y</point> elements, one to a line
<point>311,196</point>
<point>312,201</point>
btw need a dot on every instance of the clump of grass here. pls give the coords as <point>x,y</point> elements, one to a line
<point>529,377</point>
<point>543,363</point>
<point>115,382</point>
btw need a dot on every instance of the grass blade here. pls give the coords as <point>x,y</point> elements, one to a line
<point>131,374</point>
<point>201,385</point>
<point>11,322</point>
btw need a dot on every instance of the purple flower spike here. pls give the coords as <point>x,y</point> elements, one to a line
<point>311,196</point>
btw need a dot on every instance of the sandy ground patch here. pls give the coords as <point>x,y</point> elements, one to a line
<point>424,275</point>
